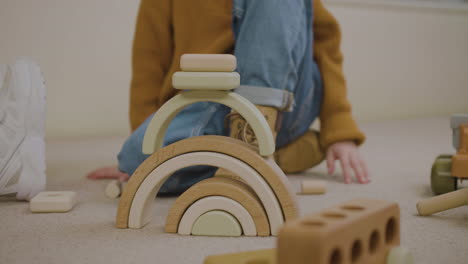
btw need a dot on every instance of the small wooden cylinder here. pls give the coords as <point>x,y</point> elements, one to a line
<point>113,189</point>
<point>313,187</point>
<point>443,202</point>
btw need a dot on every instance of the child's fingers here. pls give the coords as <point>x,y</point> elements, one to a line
<point>358,170</point>
<point>330,162</point>
<point>364,168</point>
<point>106,173</point>
<point>345,165</point>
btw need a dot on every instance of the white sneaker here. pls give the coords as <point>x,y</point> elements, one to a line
<point>22,129</point>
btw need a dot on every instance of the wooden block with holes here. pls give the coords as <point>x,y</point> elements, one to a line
<point>358,231</point>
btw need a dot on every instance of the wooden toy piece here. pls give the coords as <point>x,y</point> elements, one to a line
<point>455,122</point>
<point>140,212</point>
<point>216,223</point>
<point>158,125</point>
<point>113,189</point>
<point>208,62</point>
<point>219,186</point>
<point>359,231</point>
<point>226,174</point>
<point>215,81</point>
<point>441,176</point>
<point>460,160</point>
<point>313,187</point>
<point>399,255</point>
<point>53,202</point>
<point>242,151</point>
<point>211,203</point>
<point>264,256</point>
<point>443,202</point>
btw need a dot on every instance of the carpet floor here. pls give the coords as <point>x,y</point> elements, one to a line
<point>399,156</point>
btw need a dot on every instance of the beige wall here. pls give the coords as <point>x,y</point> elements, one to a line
<point>404,61</point>
<point>400,62</point>
<point>83,48</point>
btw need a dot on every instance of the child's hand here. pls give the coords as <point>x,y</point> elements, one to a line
<point>108,173</point>
<point>350,159</point>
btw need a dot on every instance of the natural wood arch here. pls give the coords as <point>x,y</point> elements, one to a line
<point>229,146</point>
<point>158,125</point>
<point>219,186</point>
<point>140,212</point>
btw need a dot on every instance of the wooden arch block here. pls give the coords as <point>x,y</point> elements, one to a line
<point>211,203</point>
<point>242,151</point>
<point>140,209</point>
<point>216,223</point>
<point>158,125</point>
<point>218,186</point>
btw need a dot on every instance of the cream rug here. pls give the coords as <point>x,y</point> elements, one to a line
<point>399,155</point>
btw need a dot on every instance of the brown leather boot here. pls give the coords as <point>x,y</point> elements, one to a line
<point>241,130</point>
<point>301,154</point>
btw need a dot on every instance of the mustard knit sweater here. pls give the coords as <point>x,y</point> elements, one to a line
<point>166,29</point>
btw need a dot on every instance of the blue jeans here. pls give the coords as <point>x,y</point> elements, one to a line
<point>273,46</point>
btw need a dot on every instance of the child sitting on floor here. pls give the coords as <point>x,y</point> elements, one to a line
<point>290,63</point>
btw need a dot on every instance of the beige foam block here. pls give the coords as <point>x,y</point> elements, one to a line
<point>218,81</point>
<point>264,256</point>
<point>140,213</point>
<point>212,203</point>
<point>208,62</point>
<point>53,202</point>
<point>313,187</point>
<point>220,186</point>
<point>216,223</point>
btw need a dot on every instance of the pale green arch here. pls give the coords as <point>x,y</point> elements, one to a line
<point>158,125</point>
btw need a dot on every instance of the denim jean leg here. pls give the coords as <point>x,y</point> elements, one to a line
<point>270,43</point>
<point>203,118</point>
<point>274,44</point>
<point>307,95</point>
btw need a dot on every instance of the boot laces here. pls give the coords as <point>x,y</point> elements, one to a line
<point>243,131</point>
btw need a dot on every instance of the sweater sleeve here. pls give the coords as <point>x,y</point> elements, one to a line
<point>151,58</point>
<point>336,121</point>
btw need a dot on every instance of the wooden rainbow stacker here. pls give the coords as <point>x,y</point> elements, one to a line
<point>257,201</point>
